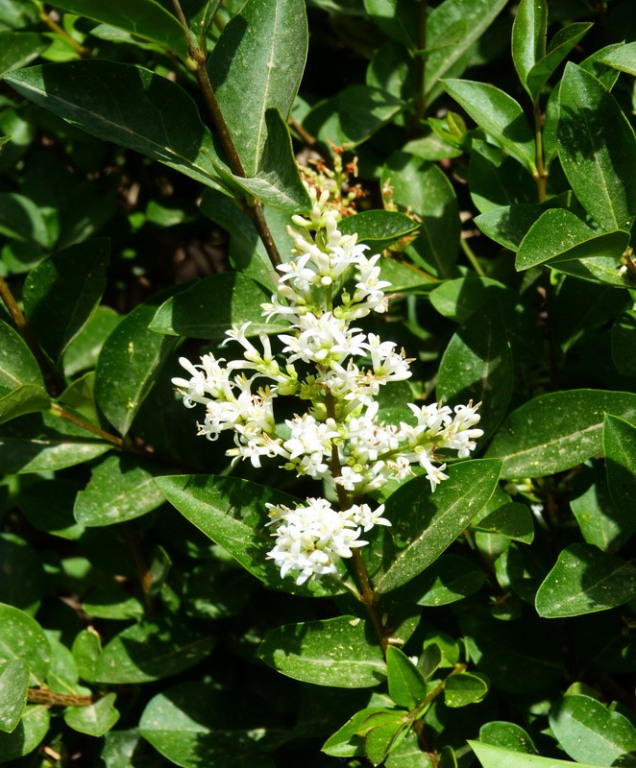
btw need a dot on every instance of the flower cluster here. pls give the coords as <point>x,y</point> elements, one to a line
<point>337,369</point>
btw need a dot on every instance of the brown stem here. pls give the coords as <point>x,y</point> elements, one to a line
<point>302,132</point>
<point>61,412</point>
<point>61,32</point>
<point>52,377</point>
<point>255,210</point>
<point>52,699</point>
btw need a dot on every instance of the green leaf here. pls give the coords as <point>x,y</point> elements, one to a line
<point>235,298</point>
<point>424,189</point>
<point>464,688</point>
<point>29,732</point>
<point>398,20</point>
<point>497,757</point>
<point>478,363</point>
<point>509,224</point>
<point>378,229</point>
<point>94,720</point>
<point>128,365</point>
<point>14,684</point>
<point>512,520</point>
<point>449,579</point>
<point>133,107</point>
<point>497,180</point>
<point>383,737</point>
<point>499,115</point>
<point>508,736</point>
<point>146,19</point>
<point>453,27</point>
<point>17,49</point>
<point>277,180</point>
<point>121,488</point>
<point>561,44</point>
<point>597,149</point>
<point>150,651</point>
<point>559,235</point>
<point>407,687</point>
<point>557,431</point>
<point>588,730</point>
<point>338,652</point>
<point>459,299</point>
<point>21,383</point>
<point>42,442</point>
<point>585,580</point>
<point>425,524</point>
<point>21,219</point>
<point>346,742</point>
<point>194,724</point>
<point>232,513</point>
<point>256,66</point>
<point>21,637</point>
<point>63,290</point>
<point>87,649</point>
<point>364,110</point>
<point>622,58</point>
<point>619,447</point>
<point>529,32</point>
<point>598,519</point>
<point>82,353</point>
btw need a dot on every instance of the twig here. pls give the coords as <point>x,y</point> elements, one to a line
<point>51,699</point>
<point>61,412</point>
<point>61,32</point>
<point>255,210</point>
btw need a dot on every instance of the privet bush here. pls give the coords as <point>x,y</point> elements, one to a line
<point>381,250</point>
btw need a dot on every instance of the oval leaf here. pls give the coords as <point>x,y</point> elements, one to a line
<point>29,732</point>
<point>14,683</point>
<point>425,524</point>
<point>94,720</point>
<point>338,652</point>
<point>497,757</point>
<point>585,580</point>
<point>557,431</point>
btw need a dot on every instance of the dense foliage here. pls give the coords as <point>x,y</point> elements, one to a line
<point>382,248</point>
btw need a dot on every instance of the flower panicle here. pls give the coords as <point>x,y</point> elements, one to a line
<point>337,370</point>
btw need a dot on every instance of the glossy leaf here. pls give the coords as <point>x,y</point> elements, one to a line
<point>557,431</point>
<point>363,110</point>
<point>132,107</point>
<point>21,219</point>
<point>407,687</point>
<point>63,290</point>
<point>87,649</point>
<point>509,224</point>
<point>144,18</point>
<point>464,688</point>
<point>585,580</point>
<point>21,637</point>
<point>622,58</point>
<point>459,299</point>
<point>476,363</point>
<point>449,579</point>
<point>529,33</point>
<point>561,44</point>
<point>256,66</point>
<point>340,652</point>
<point>496,179</point>
<point>21,385</point>
<point>378,229</point>
<point>452,28</point>
<point>128,365</point>
<point>425,524</point>
<point>513,520</point>
<point>498,114</point>
<point>26,736</point>
<point>22,579</point>
<point>498,757</point>
<point>195,724</point>
<point>380,740</point>
<point>121,488</point>
<point>94,720</point>
<point>619,446</point>
<point>150,651</point>
<point>597,149</point>
<point>600,522</point>
<point>17,49</point>
<point>588,730</point>
<point>14,683</point>
<point>232,513</point>
<point>398,20</point>
<point>38,443</point>
<point>508,736</point>
<point>424,189</point>
<point>234,298</point>
<point>559,235</point>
